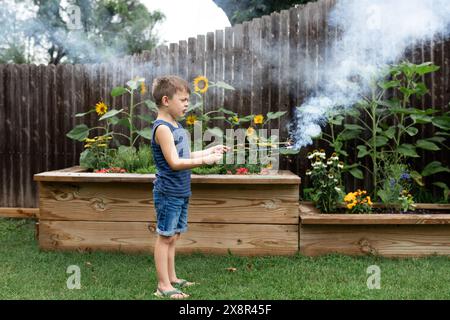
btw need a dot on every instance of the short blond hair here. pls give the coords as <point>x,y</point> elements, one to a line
<point>168,86</point>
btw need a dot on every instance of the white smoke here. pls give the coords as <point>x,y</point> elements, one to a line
<point>374,33</point>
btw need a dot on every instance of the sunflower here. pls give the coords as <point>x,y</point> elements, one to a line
<point>101,108</point>
<point>258,119</point>
<point>250,132</point>
<point>201,79</point>
<point>190,120</point>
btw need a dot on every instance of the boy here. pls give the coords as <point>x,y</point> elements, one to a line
<point>172,186</point>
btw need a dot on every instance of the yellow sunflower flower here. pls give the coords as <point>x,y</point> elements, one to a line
<point>201,80</point>
<point>190,120</point>
<point>258,119</point>
<point>101,108</point>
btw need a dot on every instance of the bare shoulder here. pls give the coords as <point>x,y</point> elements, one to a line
<point>163,134</point>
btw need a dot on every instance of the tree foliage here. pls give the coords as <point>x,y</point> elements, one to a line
<point>103,29</point>
<point>239,11</point>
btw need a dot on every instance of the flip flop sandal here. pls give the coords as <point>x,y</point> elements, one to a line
<point>182,283</point>
<point>169,293</point>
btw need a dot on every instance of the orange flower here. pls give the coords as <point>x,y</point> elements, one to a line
<point>258,119</point>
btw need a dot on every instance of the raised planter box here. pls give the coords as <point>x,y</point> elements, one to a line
<point>245,215</point>
<point>390,235</point>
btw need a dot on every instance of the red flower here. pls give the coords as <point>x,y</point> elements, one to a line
<point>241,171</point>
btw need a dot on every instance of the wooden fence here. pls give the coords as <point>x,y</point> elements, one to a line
<point>261,58</point>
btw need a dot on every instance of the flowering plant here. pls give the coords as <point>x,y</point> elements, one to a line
<point>358,202</point>
<point>406,201</point>
<point>111,170</point>
<point>326,180</point>
<point>97,153</point>
<point>254,140</point>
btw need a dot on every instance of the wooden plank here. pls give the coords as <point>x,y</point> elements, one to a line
<point>182,54</point>
<point>209,203</point>
<point>246,67</point>
<point>255,31</point>
<point>209,70</point>
<point>238,239</point>
<point>174,58</point>
<point>36,141</point>
<point>267,64</point>
<point>191,58</point>
<point>282,177</point>
<point>4,110</point>
<point>389,241</point>
<point>274,87</point>
<point>228,67</point>
<point>219,69</point>
<point>21,130</point>
<point>237,82</point>
<point>373,219</point>
<point>22,213</point>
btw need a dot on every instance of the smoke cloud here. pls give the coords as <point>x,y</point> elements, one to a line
<point>374,34</point>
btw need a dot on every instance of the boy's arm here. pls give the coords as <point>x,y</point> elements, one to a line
<point>203,153</point>
<point>165,139</point>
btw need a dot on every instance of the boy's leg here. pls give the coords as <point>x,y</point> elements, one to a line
<point>171,259</point>
<point>161,254</point>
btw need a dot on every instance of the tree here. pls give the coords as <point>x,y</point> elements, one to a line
<point>239,11</point>
<point>88,31</point>
<point>12,46</point>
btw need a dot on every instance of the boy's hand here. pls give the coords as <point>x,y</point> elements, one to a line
<point>220,149</point>
<point>212,158</point>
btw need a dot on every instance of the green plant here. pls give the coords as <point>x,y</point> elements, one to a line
<point>406,201</point>
<point>111,119</point>
<point>380,140</point>
<point>96,155</point>
<point>325,178</point>
<point>396,178</point>
<point>197,119</point>
<point>133,160</point>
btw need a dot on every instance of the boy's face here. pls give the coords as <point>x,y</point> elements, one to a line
<point>178,104</point>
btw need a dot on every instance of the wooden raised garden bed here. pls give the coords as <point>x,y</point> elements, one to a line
<point>390,235</point>
<point>245,215</point>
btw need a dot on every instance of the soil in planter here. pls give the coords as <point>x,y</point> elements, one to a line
<point>391,211</point>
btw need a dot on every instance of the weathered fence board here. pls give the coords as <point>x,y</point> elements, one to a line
<point>273,62</point>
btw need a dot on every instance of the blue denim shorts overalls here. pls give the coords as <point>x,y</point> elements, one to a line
<point>171,213</point>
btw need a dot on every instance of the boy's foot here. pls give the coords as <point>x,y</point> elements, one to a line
<point>181,283</point>
<point>171,294</point>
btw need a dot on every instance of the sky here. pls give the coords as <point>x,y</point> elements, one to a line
<point>187,18</point>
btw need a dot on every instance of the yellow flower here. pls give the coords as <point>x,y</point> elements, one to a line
<point>101,108</point>
<point>350,197</point>
<point>89,140</point>
<point>191,120</point>
<point>250,132</point>
<point>102,145</point>
<point>201,79</point>
<point>350,206</point>
<point>143,88</point>
<point>235,119</point>
<point>258,119</point>
<point>369,201</point>
<point>87,145</point>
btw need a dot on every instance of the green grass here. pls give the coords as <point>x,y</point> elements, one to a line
<point>28,273</point>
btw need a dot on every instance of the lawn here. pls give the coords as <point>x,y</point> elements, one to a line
<point>28,273</point>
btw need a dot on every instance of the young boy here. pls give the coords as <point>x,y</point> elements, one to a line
<point>172,186</point>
